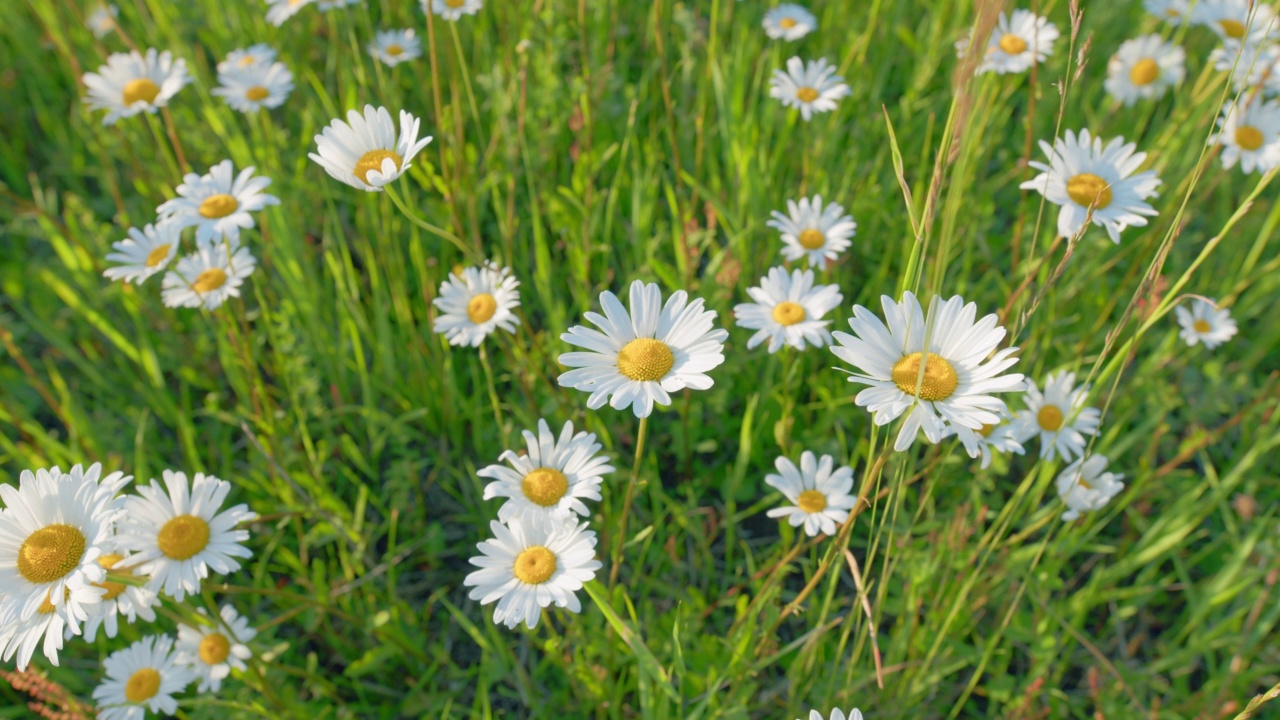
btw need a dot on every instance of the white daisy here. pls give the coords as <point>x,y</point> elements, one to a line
<point>213,651</point>
<point>255,86</point>
<point>280,10</point>
<point>476,303</point>
<point>1250,135</point>
<point>818,490</point>
<point>131,601</point>
<point>218,204</point>
<point>365,152</point>
<point>812,229</point>
<point>1206,323</point>
<point>102,21</point>
<point>20,637</point>
<point>207,277</point>
<point>336,4</point>
<point>1174,12</point>
<point>1084,487</point>
<point>395,46</point>
<point>1092,182</point>
<point>1017,42</point>
<point>1144,68</point>
<point>1251,21</point>
<point>789,22</point>
<point>144,253</point>
<point>260,54</point>
<point>643,356</point>
<point>811,88</point>
<point>836,714</point>
<point>998,436</point>
<point>547,486</point>
<point>948,380</point>
<point>180,536</point>
<point>141,677</point>
<point>1058,416</point>
<point>131,83</point>
<point>1251,66</point>
<point>788,310</point>
<point>527,568</point>
<point>452,10</point>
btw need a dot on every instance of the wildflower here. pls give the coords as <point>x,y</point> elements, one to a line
<point>789,22</point>
<point>131,83</point>
<point>218,204</point>
<point>812,88</point>
<point>1205,323</point>
<point>141,677</point>
<point>1017,42</point>
<point>208,277</point>
<point>1144,68</point>
<point>475,303</point>
<point>365,152</point>
<point>820,232</point>
<point>818,491</point>
<point>788,310</point>
<point>1084,487</point>
<point>395,46</point>
<point>144,253</point>
<point>1058,416</point>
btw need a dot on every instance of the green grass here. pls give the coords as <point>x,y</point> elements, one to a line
<point>637,140</point>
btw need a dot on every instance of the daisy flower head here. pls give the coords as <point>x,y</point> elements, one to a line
<point>1251,65</point>
<point>218,204</point>
<point>812,229</point>
<point>1058,415</point>
<point>999,437</point>
<point>818,491</point>
<point>452,10</point>
<point>1250,135</point>
<point>207,277</point>
<point>527,568</point>
<point>789,22</point>
<point>1144,68</point>
<point>788,310</point>
<point>131,83</point>
<point>120,599</point>
<point>836,714</point>
<point>393,47</point>
<point>102,21</point>
<point>1205,323</point>
<point>1250,21</point>
<point>255,86</point>
<point>1084,487</point>
<point>144,253</point>
<point>1174,12</point>
<point>180,535</point>
<point>1017,42</point>
<point>643,356</point>
<point>243,58</point>
<point>141,677</point>
<point>938,369</point>
<point>213,651</point>
<point>20,637</point>
<point>365,152</point>
<point>476,303</point>
<point>280,10</point>
<point>1097,183</point>
<point>813,87</point>
<point>547,486</point>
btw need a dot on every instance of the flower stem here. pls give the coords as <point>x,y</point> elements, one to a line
<point>493,394</point>
<point>434,230</point>
<point>626,503</point>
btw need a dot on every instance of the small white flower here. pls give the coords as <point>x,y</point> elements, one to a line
<point>452,10</point>
<point>812,88</point>
<point>1017,42</point>
<point>836,714</point>
<point>1205,323</point>
<point>144,253</point>
<point>395,46</point>
<point>365,152</point>
<point>207,277</point>
<point>476,303</point>
<point>52,624</point>
<point>818,491</point>
<point>218,204</point>
<point>213,651</point>
<point>811,229</point>
<point>102,21</point>
<point>788,310</point>
<point>1058,416</point>
<point>1250,135</point>
<point>255,86</point>
<point>999,437</point>
<point>1249,21</point>
<point>243,58</point>
<point>789,22</point>
<point>1174,12</point>
<point>131,601</point>
<point>131,83</point>
<point>141,677</point>
<point>1251,66</point>
<point>1144,68</point>
<point>280,10</point>
<point>1084,487</point>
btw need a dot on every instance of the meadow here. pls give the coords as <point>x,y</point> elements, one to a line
<point>585,145</point>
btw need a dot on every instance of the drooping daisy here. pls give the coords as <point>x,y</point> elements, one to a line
<point>1093,182</point>
<point>818,490</point>
<point>954,383</point>
<point>1174,12</point>
<point>255,86</point>
<point>120,599</point>
<point>102,21</point>
<point>812,229</point>
<point>1058,416</point>
<point>527,568</point>
<point>365,152</point>
<point>207,277</point>
<point>643,356</point>
<point>1017,42</point>
<point>1084,487</point>
<point>812,88</point>
<point>280,10</point>
<point>836,714</point>
<point>1244,20</point>
<point>1205,323</point>
<point>452,10</point>
<point>395,46</point>
<point>1144,68</point>
<point>20,637</point>
<point>218,204</point>
<point>213,651</point>
<point>476,303</point>
<point>144,253</point>
<point>789,22</point>
<point>131,83</point>
<point>141,677</point>
<point>999,437</point>
<point>1250,135</point>
<point>788,310</point>
<point>547,486</point>
<point>260,54</point>
<point>180,536</point>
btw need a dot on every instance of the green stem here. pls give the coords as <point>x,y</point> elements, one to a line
<point>626,503</point>
<point>493,394</point>
<point>434,230</point>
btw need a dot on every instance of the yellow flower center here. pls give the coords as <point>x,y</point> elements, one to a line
<point>256,93</point>
<point>394,50</point>
<point>372,160</point>
<point>787,23</point>
<point>248,60</point>
<point>183,537</point>
<point>114,589</point>
<point>141,89</point>
<point>812,239</point>
<point>142,685</point>
<point>454,3</point>
<point>645,359</point>
<point>480,308</point>
<point>1089,190</point>
<point>1050,418</point>
<point>214,648</point>
<point>218,206</point>
<point>986,430</point>
<point>788,313</point>
<point>940,379</point>
<point>812,501</point>
<point>46,607</point>
<point>1083,483</point>
<point>209,280</point>
<point>1012,44</point>
<point>807,94</point>
<point>535,565</point>
<point>1232,28</point>
<point>50,553</point>
<point>544,486</point>
<point>1202,326</point>
<point>157,255</point>
<point>1248,137</point>
<point>1144,72</point>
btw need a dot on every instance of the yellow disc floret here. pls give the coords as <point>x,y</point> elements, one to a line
<point>142,89</point>
<point>214,648</point>
<point>481,307</point>
<point>812,501</point>
<point>1012,44</point>
<point>645,359</point>
<point>142,685</point>
<point>1089,190</point>
<point>1144,72</point>
<point>210,280</point>
<point>807,94</point>
<point>1050,418</point>
<point>939,381</point>
<point>1248,137</point>
<point>218,206</point>
<point>788,313</point>
<point>535,565</point>
<point>183,537</point>
<point>544,486</point>
<point>372,160</point>
<point>50,553</point>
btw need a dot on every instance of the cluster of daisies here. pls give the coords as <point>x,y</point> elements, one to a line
<point>77,555</point>
<point>810,87</point>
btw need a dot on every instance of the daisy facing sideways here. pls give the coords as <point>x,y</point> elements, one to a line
<point>1250,135</point>
<point>141,677</point>
<point>131,83</point>
<point>476,303</point>
<point>452,10</point>
<point>637,359</point>
<point>818,491</point>
<point>1058,416</point>
<point>1084,487</point>
<point>789,22</point>
<point>207,277</point>
<point>1250,21</point>
<point>366,152</point>
<point>1017,42</point>
<point>1144,68</point>
<point>1205,323</point>
<point>938,370</point>
<point>999,437</point>
<point>813,230</point>
<point>788,310</point>
<point>393,47</point>
<point>212,651</point>
<point>144,253</point>
<point>255,86</point>
<point>218,204</point>
<point>812,88</point>
<point>102,21</point>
